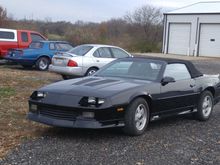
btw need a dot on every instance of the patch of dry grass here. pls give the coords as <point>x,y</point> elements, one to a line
<point>16,85</point>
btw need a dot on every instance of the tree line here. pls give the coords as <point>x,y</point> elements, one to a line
<point>138,31</point>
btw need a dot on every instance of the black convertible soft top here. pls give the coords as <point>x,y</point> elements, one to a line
<point>191,67</point>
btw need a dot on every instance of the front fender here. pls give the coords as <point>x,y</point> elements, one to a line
<point>140,94</point>
<point>126,97</point>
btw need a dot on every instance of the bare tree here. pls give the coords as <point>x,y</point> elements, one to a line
<point>3,16</point>
<point>145,17</point>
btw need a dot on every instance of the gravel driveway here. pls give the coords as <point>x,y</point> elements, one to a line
<point>177,140</point>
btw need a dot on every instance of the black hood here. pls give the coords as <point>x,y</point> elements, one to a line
<point>93,86</point>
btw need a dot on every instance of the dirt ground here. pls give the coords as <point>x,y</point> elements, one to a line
<point>16,85</point>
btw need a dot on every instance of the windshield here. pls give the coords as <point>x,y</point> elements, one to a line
<point>81,50</point>
<point>140,69</point>
<point>36,45</point>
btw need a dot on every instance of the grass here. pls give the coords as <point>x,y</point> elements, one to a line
<point>16,85</point>
<point>6,91</point>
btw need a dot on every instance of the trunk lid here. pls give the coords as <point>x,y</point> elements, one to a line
<point>62,59</point>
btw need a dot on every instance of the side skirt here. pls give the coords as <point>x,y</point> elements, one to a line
<point>172,113</point>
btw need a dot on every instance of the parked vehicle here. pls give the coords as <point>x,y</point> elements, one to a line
<point>127,93</point>
<point>39,53</point>
<point>85,60</point>
<point>12,39</point>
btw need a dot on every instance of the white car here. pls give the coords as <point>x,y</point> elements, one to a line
<point>85,59</point>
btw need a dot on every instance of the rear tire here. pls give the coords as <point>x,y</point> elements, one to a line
<point>42,63</point>
<point>205,106</point>
<point>136,117</point>
<point>91,71</point>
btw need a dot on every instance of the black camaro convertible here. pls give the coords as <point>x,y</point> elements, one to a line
<point>127,93</point>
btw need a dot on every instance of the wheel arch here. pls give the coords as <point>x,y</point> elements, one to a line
<point>210,89</point>
<point>44,55</point>
<point>146,97</point>
<point>93,67</point>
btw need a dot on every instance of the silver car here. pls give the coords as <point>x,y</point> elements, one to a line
<point>85,59</point>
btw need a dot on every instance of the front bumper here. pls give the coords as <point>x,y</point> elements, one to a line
<point>78,123</point>
<point>70,71</point>
<point>73,118</point>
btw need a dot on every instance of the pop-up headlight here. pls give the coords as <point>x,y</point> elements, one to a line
<point>91,101</point>
<point>38,95</point>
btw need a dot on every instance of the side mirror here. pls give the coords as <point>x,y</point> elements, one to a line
<point>167,80</point>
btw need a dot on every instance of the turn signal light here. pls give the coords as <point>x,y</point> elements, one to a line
<point>72,63</point>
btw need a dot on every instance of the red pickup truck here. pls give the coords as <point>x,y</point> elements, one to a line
<point>12,39</point>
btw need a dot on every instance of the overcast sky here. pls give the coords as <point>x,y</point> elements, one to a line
<point>85,10</point>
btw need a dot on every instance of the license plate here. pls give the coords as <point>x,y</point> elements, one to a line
<point>58,61</point>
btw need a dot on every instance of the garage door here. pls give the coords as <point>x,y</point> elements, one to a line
<point>209,40</point>
<point>179,39</point>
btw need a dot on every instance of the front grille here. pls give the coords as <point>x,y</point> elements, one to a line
<point>58,113</point>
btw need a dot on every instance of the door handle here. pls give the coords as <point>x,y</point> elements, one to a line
<point>192,85</point>
<point>97,60</point>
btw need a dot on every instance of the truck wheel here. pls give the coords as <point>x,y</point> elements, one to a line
<point>205,106</point>
<point>136,117</point>
<point>42,63</point>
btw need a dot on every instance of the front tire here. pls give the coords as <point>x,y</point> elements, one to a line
<point>205,106</point>
<point>42,63</point>
<point>136,117</point>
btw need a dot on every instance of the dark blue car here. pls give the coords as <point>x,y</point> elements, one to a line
<point>38,54</point>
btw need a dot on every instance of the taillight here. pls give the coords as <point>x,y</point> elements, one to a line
<point>72,63</point>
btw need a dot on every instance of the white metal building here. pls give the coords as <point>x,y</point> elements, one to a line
<point>193,30</point>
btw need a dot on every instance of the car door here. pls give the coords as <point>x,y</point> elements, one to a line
<point>180,94</point>
<point>102,56</point>
<point>24,40</point>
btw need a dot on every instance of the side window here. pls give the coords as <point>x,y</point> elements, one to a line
<point>96,54</point>
<point>24,37</point>
<point>7,35</point>
<point>36,37</point>
<point>177,71</point>
<point>118,53</point>
<point>104,53</point>
<point>52,46</point>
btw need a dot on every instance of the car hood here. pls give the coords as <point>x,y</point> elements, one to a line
<point>94,86</point>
